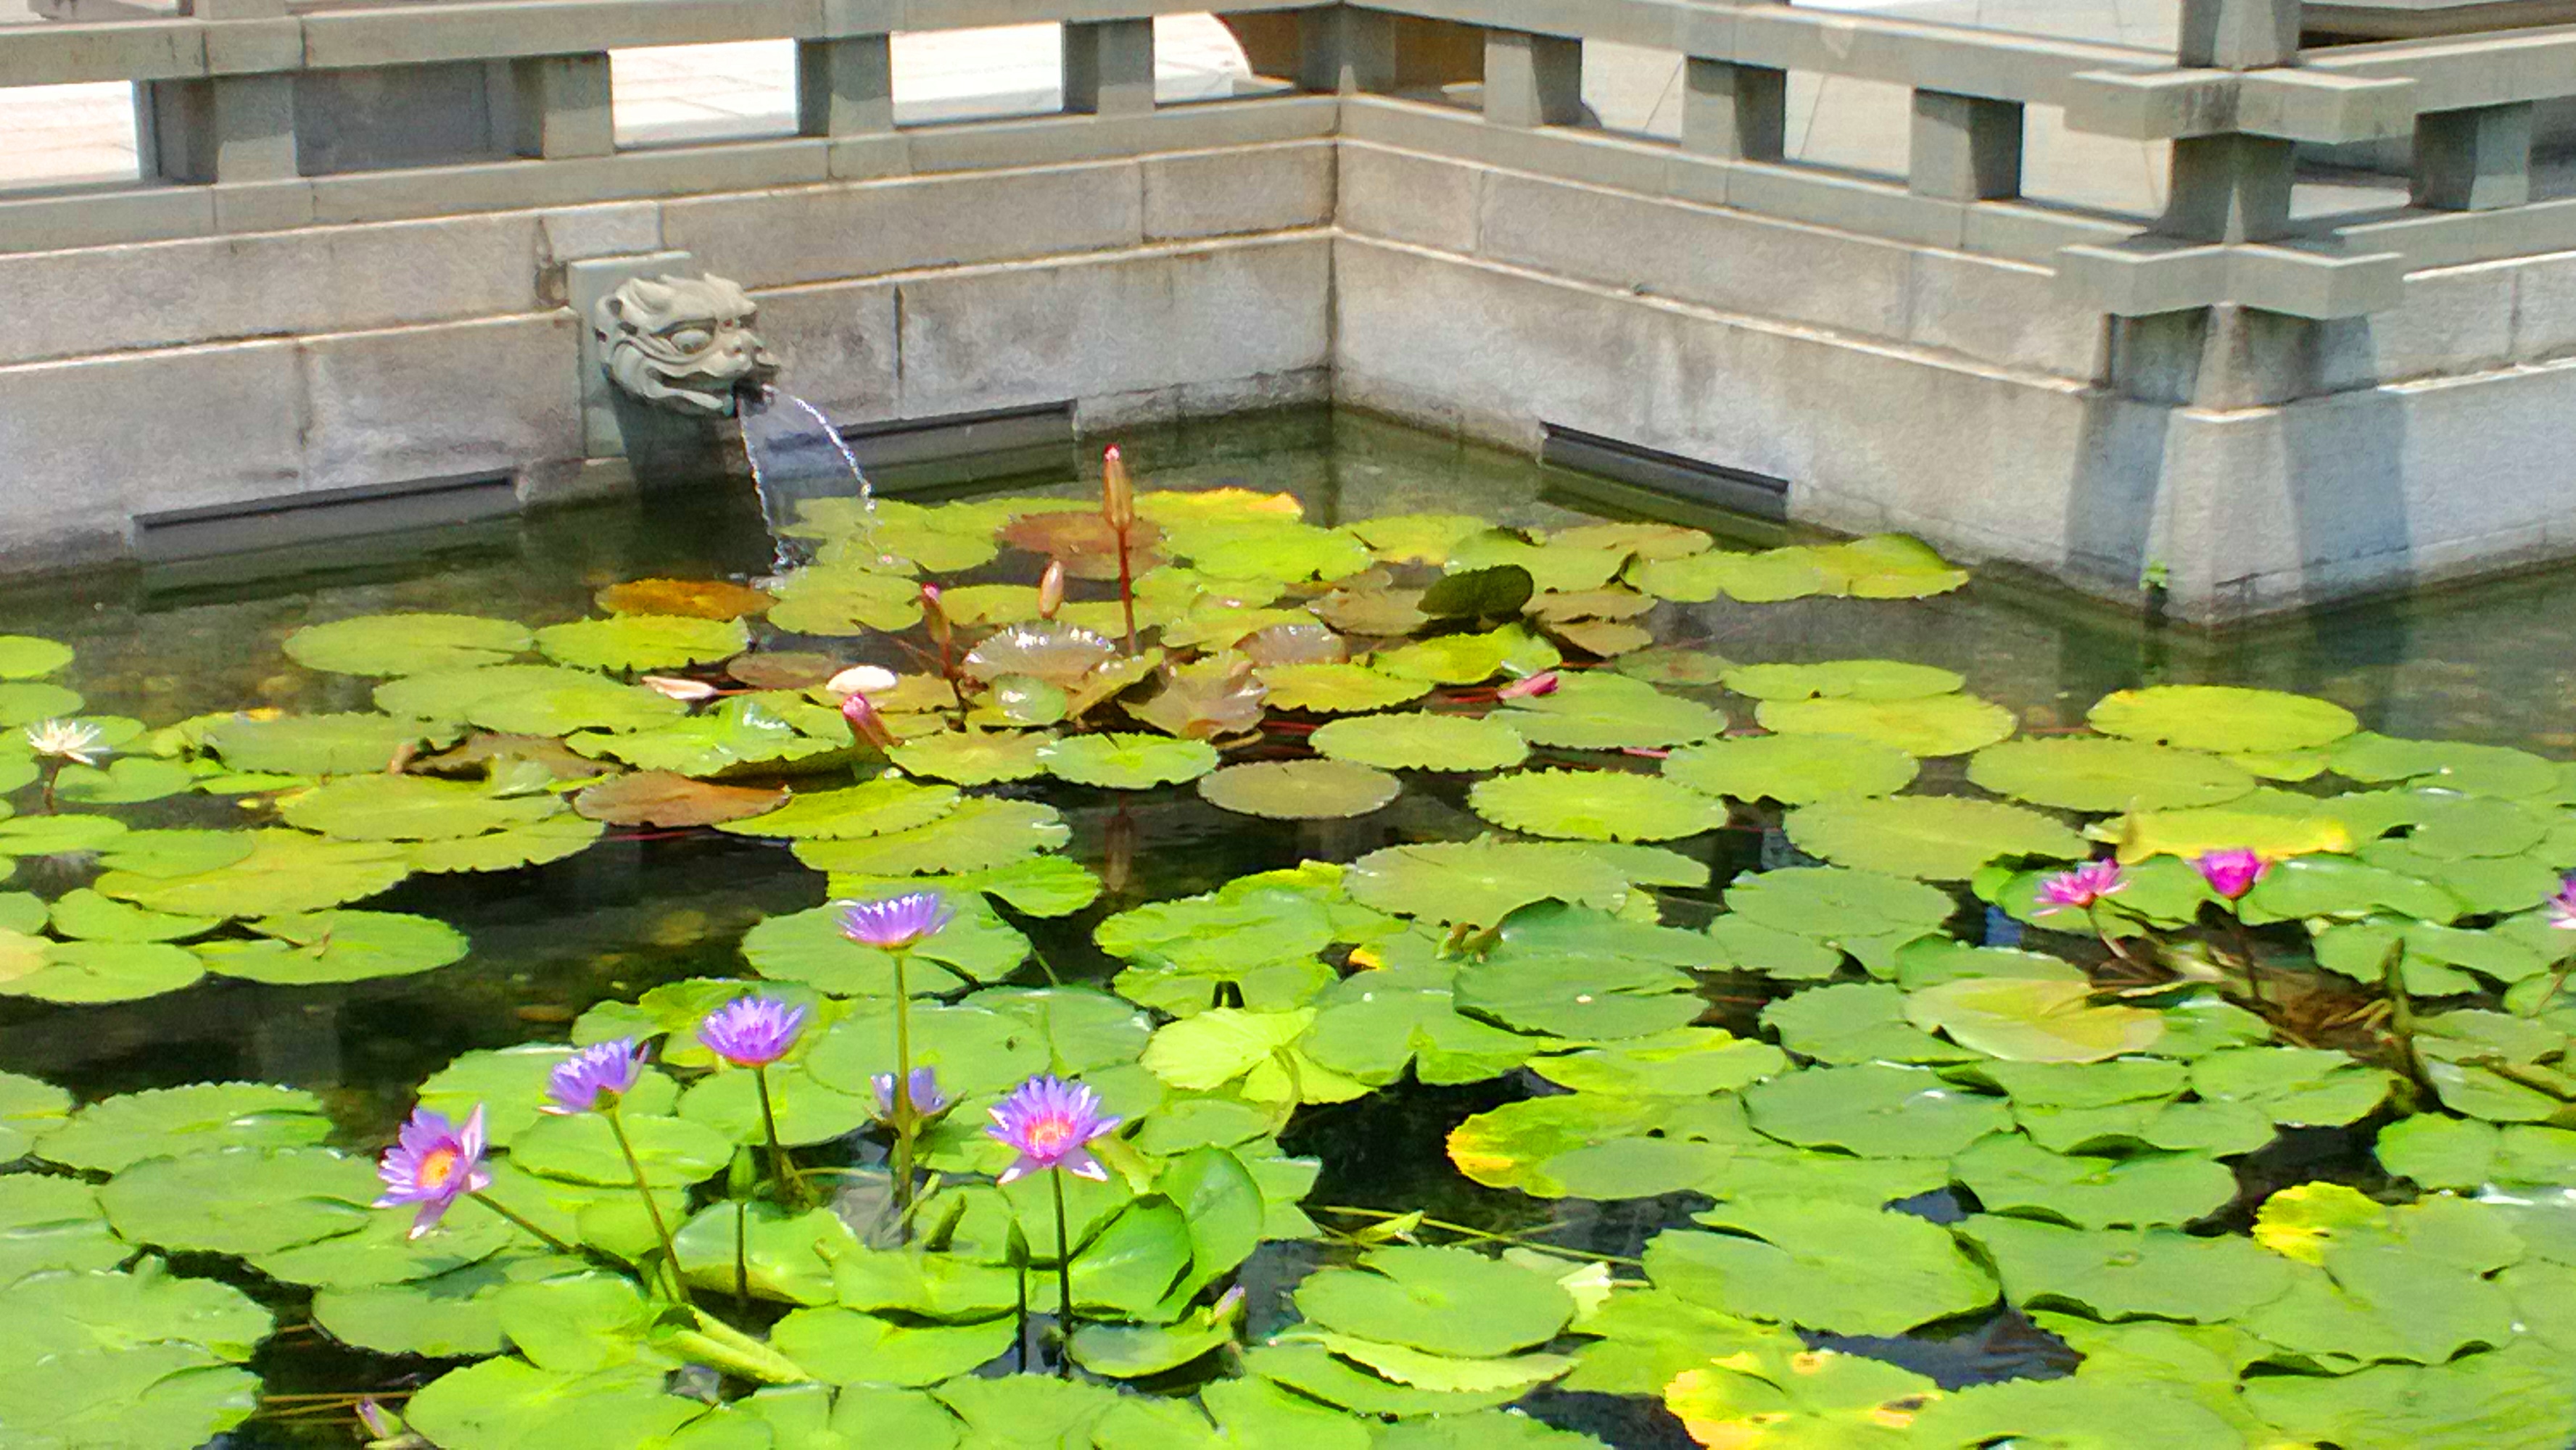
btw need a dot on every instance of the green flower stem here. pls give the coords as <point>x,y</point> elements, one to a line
<point>721,1346</point>
<point>790,1194</point>
<point>1485,1235</point>
<point>652,1206</point>
<point>742,1254</point>
<point>1063,1278</point>
<point>2245,950</point>
<point>1127,592</point>
<point>906,1121</point>
<point>549,1240</point>
<point>2557,981</point>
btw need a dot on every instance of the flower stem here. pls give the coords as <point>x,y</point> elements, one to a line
<point>789,1194</point>
<point>549,1240</point>
<point>905,1120</point>
<point>2245,949</point>
<point>742,1255</point>
<point>1063,1278</point>
<point>652,1206</point>
<point>1127,591</point>
<point>2557,981</point>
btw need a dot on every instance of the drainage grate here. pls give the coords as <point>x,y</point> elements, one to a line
<point>319,516</point>
<point>1736,489</point>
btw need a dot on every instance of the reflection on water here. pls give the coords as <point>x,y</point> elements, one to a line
<point>548,942</point>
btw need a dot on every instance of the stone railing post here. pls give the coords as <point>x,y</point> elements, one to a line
<point>1109,67</point>
<point>1965,148</point>
<point>1533,80</point>
<point>1343,49</point>
<point>224,128</point>
<point>2473,160</point>
<point>563,106</point>
<point>845,86</point>
<point>1737,112</point>
<point>2233,188</point>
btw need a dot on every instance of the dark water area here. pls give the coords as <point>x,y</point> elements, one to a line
<point>2486,664</point>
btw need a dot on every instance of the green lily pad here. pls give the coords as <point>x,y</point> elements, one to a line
<point>2482,770</point>
<point>643,641</point>
<point>406,644</point>
<point>174,852</point>
<point>350,744</point>
<point>336,946</point>
<point>85,915</point>
<point>2012,1175</point>
<point>25,657</point>
<point>528,700</point>
<point>509,1085</point>
<point>845,1346</point>
<point>2116,1274</point>
<point>1300,790</point>
<point>1875,1110</point>
<point>409,808</point>
<point>1769,1397</point>
<point>582,1149</point>
<point>2107,775</point>
<point>1843,679</point>
<point>56,835</point>
<point>115,1133</point>
<point>1440,1300</point>
<point>973,757</point>
<point>285,873</point>
<point>881,807</point>
<point>127,780</point>
<point>1480,881</point>
<point>1415,741</point>
<point>1467,659</point>
<point>453,1315</point>
<point>2022,1019</point>
<point>502,1404</point>
<point>1337,689</point>
<point>1599,710</point>
<point>551,839</point>
<point>1937,837</point>
<point>1127,762</point>
<point>1792,769</point>
<point>246,1201</point>
<point>980,834</point>
<point>1928,726</point>
<point>734,737</point>
<point>54,1223</point>
<point>27,703</point>
<point>2222,718</point>
<point>1370,1026</point>
<point>842,600</point>
<point>1685,1062</point>
<point>808,947</point>
<point>93,971</point>
<point>1838,1267</point>
<point>1594,806</point>
<point>2516,1398</point>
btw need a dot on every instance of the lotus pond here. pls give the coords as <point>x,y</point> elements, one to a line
<point>1432,959</point>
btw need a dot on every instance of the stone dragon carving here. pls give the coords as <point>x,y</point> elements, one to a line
<point>682,344</point>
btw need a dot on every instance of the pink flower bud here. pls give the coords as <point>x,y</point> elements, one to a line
<point>865,722</point>
<point>1051,589</point>
<point>1117,491</point>
<point>1542,683</point>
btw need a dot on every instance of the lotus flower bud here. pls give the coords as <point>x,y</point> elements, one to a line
<point>1117,493</point>
<point>933,617</point>
<point>672,687</point>
<point>1051,589</point>
<point>865,722</point>
<point>1542,683</point>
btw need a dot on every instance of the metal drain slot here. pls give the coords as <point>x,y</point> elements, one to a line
<point>1735,489</point>
<point>325,514</point>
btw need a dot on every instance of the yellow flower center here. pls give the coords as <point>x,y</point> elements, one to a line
<point>1048,1136</point>
<point>438,1165</point>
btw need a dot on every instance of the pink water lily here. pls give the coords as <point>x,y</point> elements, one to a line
<point>2078,889</point>
<point>1051,1124</point>
<point>2231,872</point>
<point>432,1164</point>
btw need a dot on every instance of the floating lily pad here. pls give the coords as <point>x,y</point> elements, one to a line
<point>2222,718</point>
<point>551,839</point>
<point>2484,770</point>
<point>245,1201</point>
<point>350,744</point>
<point>1603,711</point>
<point>1929,726</point>
<point>885,806</point>
<point>2116,1274</point>
<point>25,656</point>
<point>1792,769</point>
<point>1594,806</point>
<point>1843,679</point>
<point>643,641</point>
<point>1416,741</point>
<point>1127,762</point>
<point>1300,790</point>
<point>2012,1175</point>
<point>406,644</point>
<point>93,971</point>
<point>284,873</point>
<point>1937,837</point>
<point>660,798</point>
<point>2023,1019</point>
<point>127,780</point>
<point>54,1223</point>
<point>1440,1300</point>
<point>1875,1110</point>
<point>1337,689</point>
<point>1838,1267</point>
<point>548,700</point>
<point>25,703</point>
<point>735,737</point>
<point>1778,1400</point>
<point>1479,881</point>
<point>409,808</point>
<point>115,1133</point>
<point>842,600</point>
<point>981,834</point>
<point>1675,665</point>
<point>336,946</point>
<point>2107,775</point>
<point>973,757</point>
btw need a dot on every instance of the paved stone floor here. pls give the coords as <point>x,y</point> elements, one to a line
<point>83,134</point>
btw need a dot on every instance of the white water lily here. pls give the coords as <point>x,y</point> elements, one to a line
<point>67,740</point>
<point>862,680</point>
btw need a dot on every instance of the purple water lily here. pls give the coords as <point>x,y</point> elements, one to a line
<point>2562,905</point>
<point>432,1164</point>
<point>1050,1123</point>
<point>595,1077</point>
<point>895,922</point>
<point>921,1086</point>
<point>2078,889</point>
<point>2232,872</point>
<point>752,1031</point>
